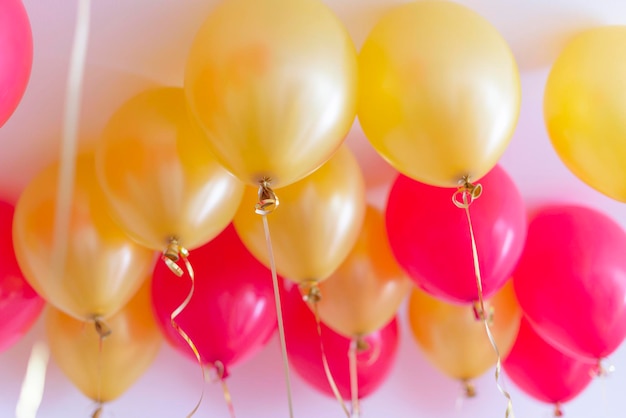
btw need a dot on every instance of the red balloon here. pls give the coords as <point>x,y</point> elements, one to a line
<point>20,306</point>
<point>571,280</point>
<point>231,314</point>
<point>430,236</point>
<point>543,372</point>
<point>305,355</point>
<point>16,55</point>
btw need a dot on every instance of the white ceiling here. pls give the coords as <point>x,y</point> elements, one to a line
<point>138,43</point>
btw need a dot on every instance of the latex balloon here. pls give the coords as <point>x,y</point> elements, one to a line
<point>439,92</point>
<point>571,280</point>
<point>583,107</point>
<point>159,176</point>
<point>365,292</point>
<point>303,345</point>
<point>454,341</point>
<point>543,372</point>
<point>273,84</point>
<point>105,374</point>
<point>16,50</point>
<point>20,306</point>
<point>315,226</point>
<point>430,236</point>
<point>102,270</point>
<point>231,315</point>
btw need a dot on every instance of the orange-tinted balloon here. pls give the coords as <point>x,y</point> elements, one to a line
<point>273,84</point>
<point>126,354</point>
<point>315,226</point>
<point>159,175</point>
<point>364,294</point>
<point>454,341</point>
<point>103,268</point>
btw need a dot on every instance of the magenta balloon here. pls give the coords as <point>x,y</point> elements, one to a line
<point>430,236</point>
<point>571,280</point>
<point>231,315</point>
<point>543,372</point>
<point>20,306</point>
<point>16,55</point>
<point>305,355</point>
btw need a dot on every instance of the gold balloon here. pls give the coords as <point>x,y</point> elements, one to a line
<point>273,84</point>
<point>439,92</point>
<point>315,226</point>
<point>364,294</point>
<point>454,341</point>
<point>584,108</point>
<point>103,268</point>
<point>159,176</point>
<point>126,353</point>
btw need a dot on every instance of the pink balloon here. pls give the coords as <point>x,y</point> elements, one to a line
<point>16,55</point>
<point>543,372</point>
<point>430,236</point>
<point>571,280</point>
<point>231,315</point>
<point>305,355</point>
<point>20,306</point>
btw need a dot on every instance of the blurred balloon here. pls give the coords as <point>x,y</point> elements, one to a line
<point>102,269</point>
<point>20,306</point>
<point>105,373</point>
<point>16,50</point>
<point>303,344</point>
<point>430,236</point>
<point>231,315</point>
<point>543,372</point>
<point>571,280</point>
<point>273,84</point>
<point>316,225</point>
<point>584,106</point>
<point>439,92</point>
<point>364,294</point>
<point>159,176</point>
<point>454,341</point>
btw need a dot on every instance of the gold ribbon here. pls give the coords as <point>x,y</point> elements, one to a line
<point>172,254</point>
<point>220,372</point>
<point>103,331</point>
<point>268,202</point>
<point>463,198</point>
<point>354,376</point>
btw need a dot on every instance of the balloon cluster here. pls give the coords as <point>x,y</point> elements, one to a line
<point>270,92</point>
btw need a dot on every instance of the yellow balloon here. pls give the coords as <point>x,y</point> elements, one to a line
<point>273,84</point>
<point>454,341</point>
<point>126,353</point>
<point>315,226</point>
<point>439,92</point>
<point>159,176</point>
<point>584,108</point>
<point>365,292</point>
<point>103,268</point>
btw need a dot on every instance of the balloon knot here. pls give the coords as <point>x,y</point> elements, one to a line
<point>466,193</point>
<point>469,389</point>
<point>601,371</point>
<point>98,412</point>
<point>558,412</point>
<point>268,201</point>
<point>479,312</point>
<point>172,254</point>
<point>361,344</point>
<point>102,329</point>
<point>311,290</point>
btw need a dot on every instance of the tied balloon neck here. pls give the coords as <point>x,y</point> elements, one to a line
<point>483,313</point>
<point>172,254</point>
<point>469,389</point>
<point>601,370</point>
<point>466,193</point>
<point>268,201</point>
<point>102,329</point>
<point>558,411</point>
<point>217,372</point>
<point>311,291</point>
<point>99,411</point>
<point>362,345</point>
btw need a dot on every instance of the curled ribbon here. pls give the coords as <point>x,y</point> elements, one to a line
<point>463,198</point>
<point>220,376</point>
<point>172,254</point>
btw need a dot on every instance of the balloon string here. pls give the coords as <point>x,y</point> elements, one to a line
<point>71,120</point>
<point>34,382</point>
<point>279,313</point>
<point>463,198</point>
<point>103,332</point>
<point>221,372</point>
<point>558,412</point>
<point>313,297</point>
<point>354,377</point>
<point>170,256</point>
